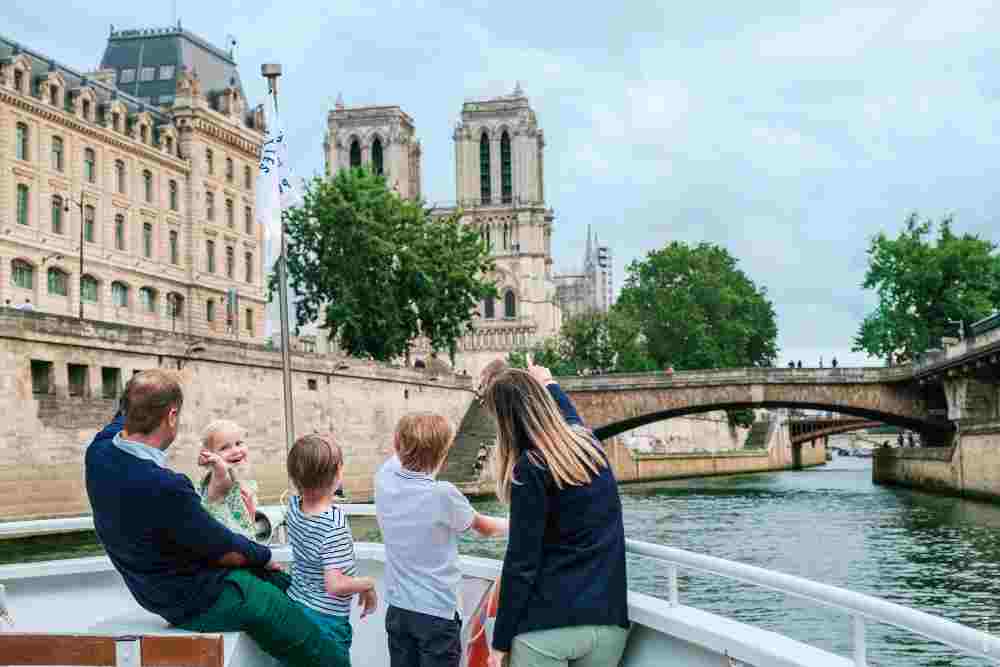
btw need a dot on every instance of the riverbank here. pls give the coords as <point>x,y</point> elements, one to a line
<point>968,469</point>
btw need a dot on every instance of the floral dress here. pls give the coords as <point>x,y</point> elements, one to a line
<point>237,510</point>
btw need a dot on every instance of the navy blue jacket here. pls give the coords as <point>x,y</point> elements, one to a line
<point>565,561</point>
<point>156,532</point>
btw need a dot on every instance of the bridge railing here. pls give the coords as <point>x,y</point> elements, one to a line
<point>860,607</point>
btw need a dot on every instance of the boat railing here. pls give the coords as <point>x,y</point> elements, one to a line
<point>860,607</point>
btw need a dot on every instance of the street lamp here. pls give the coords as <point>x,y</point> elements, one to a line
<point>79,205</point>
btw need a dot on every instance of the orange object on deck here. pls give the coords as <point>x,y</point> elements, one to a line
<point>477,643</point>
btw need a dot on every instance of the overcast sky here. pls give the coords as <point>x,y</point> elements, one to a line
<point>790,138</point>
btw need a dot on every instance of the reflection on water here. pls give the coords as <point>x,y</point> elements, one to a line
<point>830,524</point>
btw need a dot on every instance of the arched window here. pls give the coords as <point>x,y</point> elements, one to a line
<point>58,282</point>
<point>230,262</point>
<point>89,222</point>
<point>210,256</point>
<point>506,180</point>
<point>230,169</point>
<point>377,156</point>
<point>85,109</point>
<point>248,219</point>
<point>147,185</point>
<point>249,320</point>
<point>19,80</point>
<point>22,141</point>
<point>147,239</point>
<point>173,195</point>
<point>88,289</point>
<point>175,252</point>
<point>210,205</point>
<point>484,168</point>
<point>355,154</point>
<point>57,154</point>
<point>119,295</point>
<point>210,161</point>
<point>248,259</point>
<point>89,165</point>
<point>119,232</point>
<point>510,305</point>
<point>230,214</point>
<point>120,176</point>
<point>247,178</point>
<point>147,299</point>
<point>23,203</point>
<point>22,274</point>
<point>489,308</point>
<point>54,95</point>
<point>57,212</point>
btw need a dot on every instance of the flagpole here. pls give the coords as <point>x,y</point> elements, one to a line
<point>272,72</point>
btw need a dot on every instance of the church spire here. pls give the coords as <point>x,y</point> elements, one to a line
<point>590,248</point>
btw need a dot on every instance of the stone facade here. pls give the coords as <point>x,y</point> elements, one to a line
<point>60,379</point>
<point>382,139</point>
<point>148,186</point>
<point>593,289</point>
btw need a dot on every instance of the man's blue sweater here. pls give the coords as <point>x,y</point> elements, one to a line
<point>159,537</point>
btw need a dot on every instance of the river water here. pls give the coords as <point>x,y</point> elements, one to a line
<point>829,524</point>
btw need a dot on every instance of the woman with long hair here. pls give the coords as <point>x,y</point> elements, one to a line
<point>563,590</point>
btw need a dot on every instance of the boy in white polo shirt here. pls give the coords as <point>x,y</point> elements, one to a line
<point>420,519</point>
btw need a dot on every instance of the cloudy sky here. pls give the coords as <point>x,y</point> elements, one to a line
<point>788,137</point>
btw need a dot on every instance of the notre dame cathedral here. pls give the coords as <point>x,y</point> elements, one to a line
<point>500,188</point>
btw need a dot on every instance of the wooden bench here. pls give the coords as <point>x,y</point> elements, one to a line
<point>38,650</point>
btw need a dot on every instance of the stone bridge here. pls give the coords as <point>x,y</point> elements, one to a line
<point>615,403</point>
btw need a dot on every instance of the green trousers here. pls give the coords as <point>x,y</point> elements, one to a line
<point>254,602</point>
<point>579,646</point>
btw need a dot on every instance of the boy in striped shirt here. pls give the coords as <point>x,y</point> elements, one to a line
<point>324,577</point>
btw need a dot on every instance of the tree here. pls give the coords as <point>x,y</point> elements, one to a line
<point>922,284</point>
<point>379,270</point>
<point>546,353</point>
<point>696,309</point>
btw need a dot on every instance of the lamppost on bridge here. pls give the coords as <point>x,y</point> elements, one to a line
<point>83,223</point>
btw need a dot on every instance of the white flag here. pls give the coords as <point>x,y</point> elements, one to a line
<point>276,189</point>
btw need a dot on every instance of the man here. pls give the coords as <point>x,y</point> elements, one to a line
<point>177,561</point>
<point>26,306</point>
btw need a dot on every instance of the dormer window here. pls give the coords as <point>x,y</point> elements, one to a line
<point>54,95</point>
<point>85,109</point>
<point>19,81</point>
<point>116,121</point>
<point>143,134</point>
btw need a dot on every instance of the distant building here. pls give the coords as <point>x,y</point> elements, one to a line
<point>592,290</point>
<point>151,161</point>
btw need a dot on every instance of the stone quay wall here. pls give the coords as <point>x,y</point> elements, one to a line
<point>971,468</point>
<point>60,378</point>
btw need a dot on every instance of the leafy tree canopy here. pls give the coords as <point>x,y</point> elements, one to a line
<point>696,309</point>
<point>378,270</point>
<point>922,283</point>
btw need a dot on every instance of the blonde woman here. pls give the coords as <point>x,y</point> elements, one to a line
<point>563,587</point>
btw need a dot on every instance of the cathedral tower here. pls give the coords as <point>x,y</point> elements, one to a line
<point>380,137</point>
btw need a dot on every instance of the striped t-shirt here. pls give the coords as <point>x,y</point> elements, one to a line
<point>319,542</point>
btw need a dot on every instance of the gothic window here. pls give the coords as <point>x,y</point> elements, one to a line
<point>210,256</point>
<point>147,298</point>
<point>119,295</point>
<point>484,168</point>
<point>22,141</point>
<point>173,195</point>
<point>174,248</point>
<point>57,154</point>
<point>489,308</point>
<point>510,305</point>
<point>120,176</point>
<point>377,156</point>
<point>89,165</point>
<point>147,185</point>
<point>58,282</point>
<point>23,274</point>
<point>89,216</point>
<point>57,211</point>
<point>248,258</point>
<point>355,154</point>
<point>147,239</point>
<point>88,289</point>
<point>120,232</point>
<point>23,203</point>
<point>506,182</point>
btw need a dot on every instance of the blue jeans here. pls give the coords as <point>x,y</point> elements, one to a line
<point>335,628</point>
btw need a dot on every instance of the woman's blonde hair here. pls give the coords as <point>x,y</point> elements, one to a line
<point>528,419</point>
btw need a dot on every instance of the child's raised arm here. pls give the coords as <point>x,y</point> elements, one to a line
<point>489,526</point>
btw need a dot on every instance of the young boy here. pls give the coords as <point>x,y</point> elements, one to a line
<point>324,577</point>
<point>227,491</point>
<point>420,519</point>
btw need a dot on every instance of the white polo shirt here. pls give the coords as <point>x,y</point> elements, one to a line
<point>420,519</point>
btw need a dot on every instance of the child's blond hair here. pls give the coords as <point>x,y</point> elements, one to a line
<point>422,441</point>
<point>314,463</point>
